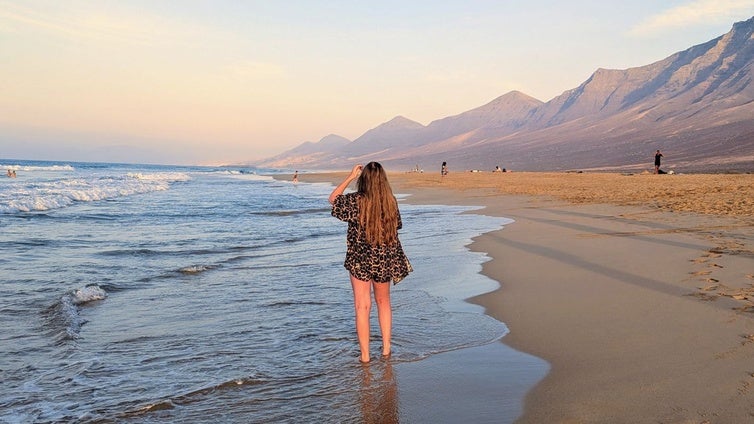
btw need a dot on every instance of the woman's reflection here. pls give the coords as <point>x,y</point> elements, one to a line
<point>379,393</point>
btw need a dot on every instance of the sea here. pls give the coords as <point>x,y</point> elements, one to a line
<point>151,293</point>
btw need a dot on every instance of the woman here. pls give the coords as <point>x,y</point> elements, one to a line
<point>374,255</point>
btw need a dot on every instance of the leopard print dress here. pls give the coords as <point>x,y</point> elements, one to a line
<point>381,263</point>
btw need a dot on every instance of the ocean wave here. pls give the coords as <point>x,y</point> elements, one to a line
<point>64,316</point>
<point>31,168</point>
<point>292,212</point>
<point>130,252</point>
<point>231,172</point>
<point>87,294</point>
<point>190,397</point>
<point>46,195</point>
<point>163,176</point>
<point>196,269</point>
<point>253,177</point>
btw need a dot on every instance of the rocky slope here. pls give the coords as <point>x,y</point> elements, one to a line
<point>696,105</point>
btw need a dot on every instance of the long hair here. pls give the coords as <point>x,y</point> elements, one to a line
<point>377,205</point>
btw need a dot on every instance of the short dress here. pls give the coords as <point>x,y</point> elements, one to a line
<point>381,263</point>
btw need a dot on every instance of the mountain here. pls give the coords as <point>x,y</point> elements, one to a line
<point>307,153</point>
<point>696,105</point>
<point>394,134</point>
<point>506,113</point>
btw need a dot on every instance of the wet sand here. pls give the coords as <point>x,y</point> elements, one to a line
<point>637,289</point>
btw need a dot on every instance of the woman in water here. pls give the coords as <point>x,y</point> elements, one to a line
<point>374,255</point>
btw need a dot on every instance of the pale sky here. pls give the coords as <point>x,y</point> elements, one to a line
<point>227,81</point>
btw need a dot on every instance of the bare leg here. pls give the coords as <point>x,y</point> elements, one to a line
<point>362,301</point>
<point>385,314</point>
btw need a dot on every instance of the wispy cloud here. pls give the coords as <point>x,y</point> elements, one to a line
<point>14,17</point>
<point>699,12</point>
<point>92,24</point>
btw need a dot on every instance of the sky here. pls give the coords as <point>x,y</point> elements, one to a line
<point>225,82</point>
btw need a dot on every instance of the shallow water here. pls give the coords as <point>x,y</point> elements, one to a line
<point>160,294</point>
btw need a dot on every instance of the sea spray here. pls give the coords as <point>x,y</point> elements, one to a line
<point>87,294</point>
<point>64,318</point>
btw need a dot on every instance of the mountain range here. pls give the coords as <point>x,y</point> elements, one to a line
<point>697,106</point>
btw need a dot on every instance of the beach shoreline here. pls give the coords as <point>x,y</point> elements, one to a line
<point>636,289</point>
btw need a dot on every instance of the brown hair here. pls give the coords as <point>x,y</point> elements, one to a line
<point>378,209</point>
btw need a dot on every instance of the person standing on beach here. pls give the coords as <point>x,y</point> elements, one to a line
<point>374,255</point>
<point>444,169</point>
<point>658,159</point>
<point>295,177</point>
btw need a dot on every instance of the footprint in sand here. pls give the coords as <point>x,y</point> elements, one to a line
<point>704,296</point>
<point>738,296</point>
<point>710,287</point>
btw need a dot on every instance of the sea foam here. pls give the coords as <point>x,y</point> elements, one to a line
<point>55,194</point>
<point>30,168</point>
<point>87,294</point>
<point>64,315</point>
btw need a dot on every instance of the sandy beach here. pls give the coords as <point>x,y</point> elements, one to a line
<point>637,289</point>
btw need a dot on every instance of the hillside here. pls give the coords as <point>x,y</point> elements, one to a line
<point>696,105</point>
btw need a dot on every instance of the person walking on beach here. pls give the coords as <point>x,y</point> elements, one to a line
<point>658,159</point>
<point>374,255</point>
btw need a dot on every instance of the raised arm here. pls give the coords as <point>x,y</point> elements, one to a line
<point>342,186</point>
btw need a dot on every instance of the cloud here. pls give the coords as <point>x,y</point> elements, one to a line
<point>95,24</point>
<point>699,12</point>
<point>14,16</point>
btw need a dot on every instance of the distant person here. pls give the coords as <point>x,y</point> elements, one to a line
<point>444,169</point>
<point>497,169</point>
<point>295,177</point>
<point>11,173</point>
<point>374,255</point>
<point>658,159</point>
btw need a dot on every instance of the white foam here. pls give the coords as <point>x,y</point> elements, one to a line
<point>195,269</point>
<point>162,176</point>
<point>67,311</point>
<point>228,172</point>
<point>29,168</point>
<point>46,195</point>
<point>87,294</point>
